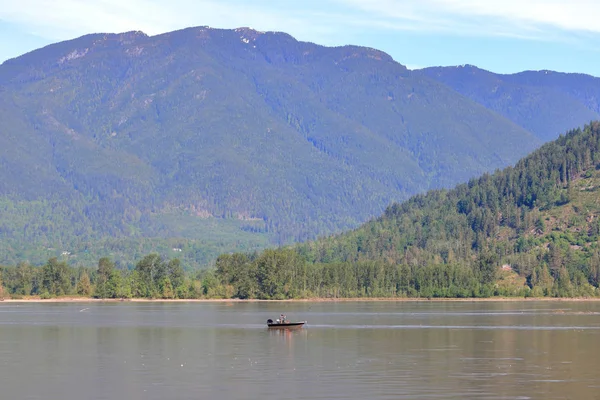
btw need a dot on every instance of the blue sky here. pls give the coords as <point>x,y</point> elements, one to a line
<point>502,36</point>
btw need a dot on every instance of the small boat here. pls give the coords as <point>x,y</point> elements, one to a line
<point>284,324</point>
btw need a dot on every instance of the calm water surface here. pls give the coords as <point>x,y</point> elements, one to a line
<point>355,350</point>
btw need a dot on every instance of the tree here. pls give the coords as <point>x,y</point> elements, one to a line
<point>488,267</point>
<point>564,285</point>
<point>116,287</point>
<point>24,277</point>
<point>55,280</point>
<point>594,268</point>
<point>167,288</point>
<point>541,281</point>
<point>176,276</point>
<point>84,287</point>
<point>151,271</point>
<point>105,270</point>
<point>1,287</point>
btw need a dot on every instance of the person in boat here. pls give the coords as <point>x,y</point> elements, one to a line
<point>282,319</point>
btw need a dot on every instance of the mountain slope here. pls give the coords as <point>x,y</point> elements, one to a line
<point>545,103</point>
<point>538,220</point>
<point>113,133</point>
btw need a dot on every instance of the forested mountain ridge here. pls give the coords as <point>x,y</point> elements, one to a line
<point>545,103</point>
<point>210,140</point>
<point>530,230</point>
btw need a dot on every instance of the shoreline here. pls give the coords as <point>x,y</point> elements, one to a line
<point>71,299</point>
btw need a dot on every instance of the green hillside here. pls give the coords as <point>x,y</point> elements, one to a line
<point>532,229</point>
<point>545,103</point>
<point>221,140</point>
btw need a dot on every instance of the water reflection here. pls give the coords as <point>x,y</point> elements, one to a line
<point>288,334</point>
<point>287,338</point>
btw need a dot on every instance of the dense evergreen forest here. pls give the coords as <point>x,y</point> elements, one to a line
<point>528,230</point>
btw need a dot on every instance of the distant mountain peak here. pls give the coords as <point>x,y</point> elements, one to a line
<point>247,29</point>
<point>248,35</point>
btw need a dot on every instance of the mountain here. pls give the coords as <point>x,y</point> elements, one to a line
<point>203,140</point>
<point>532,229</point>
<point>545,103</point>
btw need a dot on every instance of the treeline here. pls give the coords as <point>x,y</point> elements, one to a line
<point>285,274</point>
<point>529,230</point>
<point>152,277</point>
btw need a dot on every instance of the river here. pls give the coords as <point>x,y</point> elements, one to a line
<point>348,350</point>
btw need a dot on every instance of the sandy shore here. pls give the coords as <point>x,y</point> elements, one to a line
<point>313,300</point>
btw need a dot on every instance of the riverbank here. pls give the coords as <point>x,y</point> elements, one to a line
<point>71,299</point>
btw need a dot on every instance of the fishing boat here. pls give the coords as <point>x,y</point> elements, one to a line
<point>283,323</point>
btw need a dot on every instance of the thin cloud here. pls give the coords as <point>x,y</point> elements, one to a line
<point>62,19</point>
<point>529,19</point>
<point>575,15</point>
<point>328,22</point>
<point>455,27</point>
